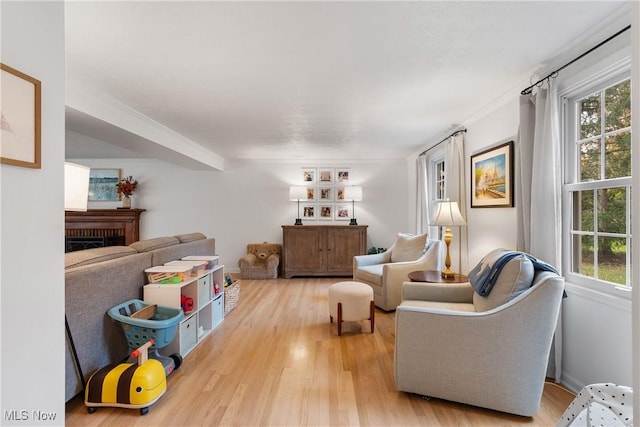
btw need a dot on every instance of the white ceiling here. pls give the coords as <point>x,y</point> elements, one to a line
<point>308,80</point>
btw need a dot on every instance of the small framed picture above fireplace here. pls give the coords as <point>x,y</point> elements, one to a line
<point>102,185</point>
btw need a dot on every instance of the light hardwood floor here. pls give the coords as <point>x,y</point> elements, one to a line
<point>276,361</point>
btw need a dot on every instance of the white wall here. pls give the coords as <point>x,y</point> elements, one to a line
<point>32,229</point>
<point>490,228</point>
<point>249,201</point>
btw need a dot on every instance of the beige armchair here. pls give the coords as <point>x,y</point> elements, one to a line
<point>385,272</point>
<point>262,261</point>
<point>488,351</point>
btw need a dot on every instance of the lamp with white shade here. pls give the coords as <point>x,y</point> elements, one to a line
<point>353,193</point>
<point>448,215</point>
<point>76,187</point>
<point>297,193</point>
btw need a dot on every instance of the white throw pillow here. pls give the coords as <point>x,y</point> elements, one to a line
<point>408,247</point>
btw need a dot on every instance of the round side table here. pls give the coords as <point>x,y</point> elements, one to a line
<point>435,276</point>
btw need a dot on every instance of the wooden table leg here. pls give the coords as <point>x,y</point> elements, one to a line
<point>339,318</point>
<point>372,313</point>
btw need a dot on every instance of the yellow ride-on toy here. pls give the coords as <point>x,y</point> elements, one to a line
<point>135,385</point>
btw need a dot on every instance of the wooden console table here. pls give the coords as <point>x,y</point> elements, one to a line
<point>321,250</point>
<point>104,223</point>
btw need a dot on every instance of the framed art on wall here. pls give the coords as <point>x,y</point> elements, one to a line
<point>492,177</point>
<point>20,118</point>
<point>342,175</point>
<point>343,212</point>
<point>309,175</point>
<point>102,185</point>
<point>326,212</point>
<point>325,194</point>
<point>309,212</point>
<point>325,175</point>
<point>311,193</point>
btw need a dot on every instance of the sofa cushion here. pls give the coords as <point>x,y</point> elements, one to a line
<point>441,305</point>
<point>408,247</point>
<point>92,256</point>
<point>153,244</point>
<point>370,274</point>
<point>516,277</point>
<point>190,237</point>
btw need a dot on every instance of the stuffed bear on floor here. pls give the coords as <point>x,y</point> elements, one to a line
<point>262,261</point>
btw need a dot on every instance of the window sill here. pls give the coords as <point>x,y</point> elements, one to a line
<point>615,297</point>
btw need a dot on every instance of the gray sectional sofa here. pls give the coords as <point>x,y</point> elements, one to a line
<point>96,280</point>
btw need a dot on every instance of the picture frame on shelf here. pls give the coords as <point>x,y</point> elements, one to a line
<point>343,212</point>
<point>492,177</point>
<point>325,175</point>
<point>102,185</point>
<point>325,212</point>
<point>309,211</point>
<point>20,110</point>
<point>309,175</point>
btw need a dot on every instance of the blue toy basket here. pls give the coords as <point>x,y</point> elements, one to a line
<point>161,327</point>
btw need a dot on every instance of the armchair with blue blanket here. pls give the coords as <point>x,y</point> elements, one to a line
<point>485,344</point>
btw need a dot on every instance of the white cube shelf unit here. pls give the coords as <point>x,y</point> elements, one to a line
<point>207,311</point>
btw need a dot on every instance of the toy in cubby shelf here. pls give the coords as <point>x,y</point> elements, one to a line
<point>186,303</point>
<point>227,280</point>
<point>216,288</point>
<point>167,274</point>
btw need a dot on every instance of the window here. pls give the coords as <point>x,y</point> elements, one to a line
<point>597,190</point>
<point>438,180</point>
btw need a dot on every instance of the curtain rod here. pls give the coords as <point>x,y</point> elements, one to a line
<point>554,74</point>
<point>463,130</point>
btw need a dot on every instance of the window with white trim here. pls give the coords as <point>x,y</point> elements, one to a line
<point>597,189</point>
<point>438,179</point>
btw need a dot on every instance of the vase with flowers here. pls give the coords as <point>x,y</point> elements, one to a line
<point>126,187</point>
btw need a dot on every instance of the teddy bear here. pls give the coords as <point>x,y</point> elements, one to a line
<point>262,261</point>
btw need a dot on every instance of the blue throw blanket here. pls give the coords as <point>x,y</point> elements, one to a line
<point>484,275</point>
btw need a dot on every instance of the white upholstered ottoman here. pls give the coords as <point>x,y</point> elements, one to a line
<point>351,302</point>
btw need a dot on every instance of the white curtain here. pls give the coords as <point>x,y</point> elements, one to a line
<point>422,196</point>
<point>456,191</point>
<point>538,189</point>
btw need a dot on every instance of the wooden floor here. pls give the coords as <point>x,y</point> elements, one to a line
<point>276,361</point>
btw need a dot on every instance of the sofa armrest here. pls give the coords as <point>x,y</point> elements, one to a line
<point>373,259</point>
<point>444,292</point>
<point>247,261</point>
<point>273,261</point>
<point>430,260</point>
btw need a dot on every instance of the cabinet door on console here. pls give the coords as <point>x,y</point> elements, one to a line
<point>304,249</point>
<point>342,245</point>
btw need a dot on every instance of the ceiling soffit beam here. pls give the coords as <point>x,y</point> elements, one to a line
<point>120,115</point>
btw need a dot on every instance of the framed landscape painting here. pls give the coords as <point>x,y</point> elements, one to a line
<point>102,185</point>
<point>492,177</point>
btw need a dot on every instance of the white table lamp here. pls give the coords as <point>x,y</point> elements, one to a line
<point>353,193</point>
<point>448,215</point>
<point>297,193</point>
